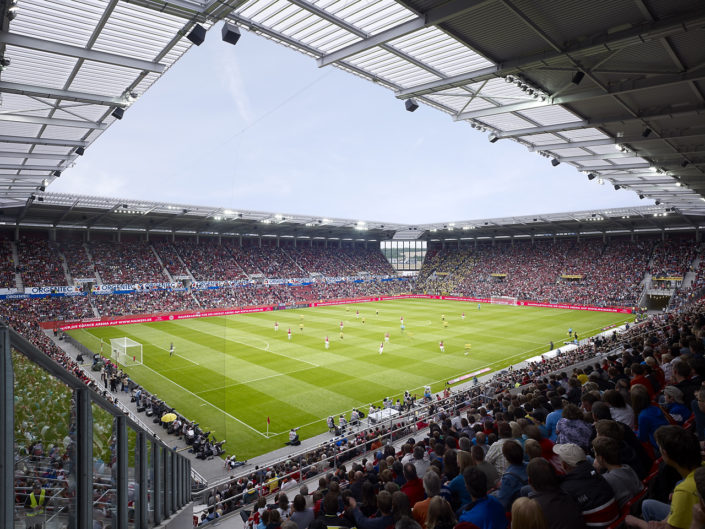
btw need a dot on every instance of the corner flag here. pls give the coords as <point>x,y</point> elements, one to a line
<point>267,425</point>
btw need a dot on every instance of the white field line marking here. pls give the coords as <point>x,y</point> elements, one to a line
<point>267,349</point>
<point>362,404</point>
<point>205,401</point>
<point>255,380</point>
<point>177,354</point>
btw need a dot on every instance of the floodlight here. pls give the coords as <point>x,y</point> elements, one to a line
<point>118,113</point>
<point>658,202</point>
<point>646,133</point>
<point>591,176</point>
<point>578,77</point>
<point>411,105</point>
<point>641,197</point>
<point>42,188</point>
<point>57,174</point>
<point>685,163</point>
<point>230,33</point>
<point>493,138</point>
<point>555,162</point>
<point>12,13</point>
<point>616,187</point>
<point>197,35</point>
<point>80,151</point>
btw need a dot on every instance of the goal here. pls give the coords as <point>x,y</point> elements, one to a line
<point>126,352</point>
<point>503,300</point>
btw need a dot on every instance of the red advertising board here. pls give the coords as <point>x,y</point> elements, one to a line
<point>170,316</point>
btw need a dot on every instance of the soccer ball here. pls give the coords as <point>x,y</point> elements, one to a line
<point>466,353</point>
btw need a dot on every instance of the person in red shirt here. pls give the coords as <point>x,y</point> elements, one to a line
<point>413,488</point>
<point>639,377</point>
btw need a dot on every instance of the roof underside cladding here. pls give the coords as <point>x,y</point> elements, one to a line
<point>507,67</point>
<point>72,64</point>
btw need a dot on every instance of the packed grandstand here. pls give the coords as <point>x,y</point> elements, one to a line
<point>603,400</point>
<point>605,431</point>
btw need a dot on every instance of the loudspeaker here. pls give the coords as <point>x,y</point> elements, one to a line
<point>197,35</point>
<point>411,105</point>
<point>231,33</point>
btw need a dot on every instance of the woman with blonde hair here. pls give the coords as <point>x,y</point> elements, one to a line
<point>440,514</point>
<point>527,514</point>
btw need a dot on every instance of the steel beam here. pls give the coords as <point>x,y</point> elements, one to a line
<point>586,46</point>
<point>21,118</point>
<point>609,156</point>
<point>624,167</point>
<point>610,141</point>
<point>36,155</point>
<point>15,167</point>
<point>67,95</point>
<point>58,48</point>
<point>588,123</point>
<point>584,95</point>
<point>434,16</point>
<point>43,141</point>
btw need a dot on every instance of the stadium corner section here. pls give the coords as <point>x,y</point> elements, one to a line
<point>186,315</point>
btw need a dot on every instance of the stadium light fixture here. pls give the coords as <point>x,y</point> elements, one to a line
<point>658,202</point>
<point>197,35</point>
<point>411,105</point>
<point>685,163</point>
<point>493,138</point>
<point>555,162</point>
<point>57,174</point>
<point>641,196</point>
<point>230,33</point>
<point>616,187</point>
<point>591,176</point>
<point>81,151</point>
<point>118,113</point>
<point>578,77</point>
<point>646,133</point>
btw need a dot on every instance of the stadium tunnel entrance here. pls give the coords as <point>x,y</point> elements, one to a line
<point>657,301</point>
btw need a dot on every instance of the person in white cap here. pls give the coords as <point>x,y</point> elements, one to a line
<point>591,492</point>
<point>674,404</point>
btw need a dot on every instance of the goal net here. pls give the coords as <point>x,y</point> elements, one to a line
<point>126,352</point>
<point>503,300</point>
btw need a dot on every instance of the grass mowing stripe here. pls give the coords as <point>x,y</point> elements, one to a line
<point>245,375</point>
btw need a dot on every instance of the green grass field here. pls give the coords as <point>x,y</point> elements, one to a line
<point>231,373</point>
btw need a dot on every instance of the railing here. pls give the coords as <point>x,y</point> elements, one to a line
<point>107,467</point>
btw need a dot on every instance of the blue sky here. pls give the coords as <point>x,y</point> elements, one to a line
<point>258,126</point>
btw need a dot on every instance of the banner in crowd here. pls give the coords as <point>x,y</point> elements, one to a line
<point>43,291</point>
<point>134,287</point>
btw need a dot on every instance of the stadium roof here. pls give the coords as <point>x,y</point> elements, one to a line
<point>77,212</point>
<point>568,79</point>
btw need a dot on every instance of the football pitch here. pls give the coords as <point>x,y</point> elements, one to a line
<point>231,373</point>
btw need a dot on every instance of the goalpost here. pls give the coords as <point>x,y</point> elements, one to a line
<point>503,300</point>
<point>126,352</point>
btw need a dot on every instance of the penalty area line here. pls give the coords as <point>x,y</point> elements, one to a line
<point>206,402</point>
<point>177,354</point>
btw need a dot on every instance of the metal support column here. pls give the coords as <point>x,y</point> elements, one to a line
<point>7,430</point>
<point>143,480</point>
<point>158,501</point>
<point>84,458</point>
<point>122,460</point>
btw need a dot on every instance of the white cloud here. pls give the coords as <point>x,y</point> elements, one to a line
<point>231,76</point>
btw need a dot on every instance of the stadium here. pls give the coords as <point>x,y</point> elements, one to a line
<point>174,364</point>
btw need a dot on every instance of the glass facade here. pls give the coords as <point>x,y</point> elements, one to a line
<point>70,459</point>
<point>404,255</point>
